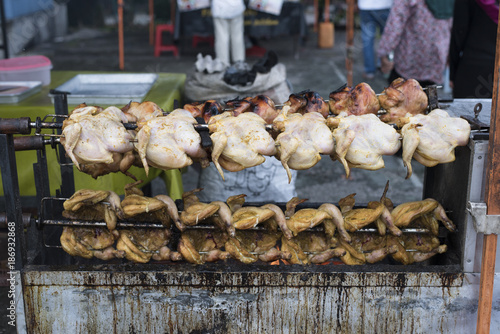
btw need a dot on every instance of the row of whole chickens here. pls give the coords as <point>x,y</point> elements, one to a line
<point>233,220</point>
<point>234,215</point>
<point>400,98</point>
<point>98,143</point>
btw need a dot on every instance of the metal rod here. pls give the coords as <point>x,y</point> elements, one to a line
<point>125,224</point>
<point>89,223</point>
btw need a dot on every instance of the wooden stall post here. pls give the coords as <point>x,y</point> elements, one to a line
<point>349,41</point>
<point>120,35</point>
<point>492,199</point>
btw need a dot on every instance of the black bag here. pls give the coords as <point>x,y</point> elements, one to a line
<point>441,9</point>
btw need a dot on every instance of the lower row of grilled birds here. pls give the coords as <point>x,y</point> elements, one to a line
<point>246,233</point>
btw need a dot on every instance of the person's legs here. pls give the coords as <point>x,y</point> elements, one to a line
<point>237,38</point>
<point>221,43</point>
<point>368,29</point>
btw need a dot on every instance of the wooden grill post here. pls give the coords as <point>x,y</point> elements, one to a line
<point>492,199</point>
<point>120,35</point>
<point>349,41</point>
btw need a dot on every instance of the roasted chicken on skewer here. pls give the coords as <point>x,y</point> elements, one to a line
<point>307,101</point>
<point>423,248</point>
<point>250,246</point>
<point>200,246</point>
<point>362,140</point>
<point>358,100</point>
<point>97,141</point>
<point>402,97</point>
<point>142,245</point>
<point>205,109</point>
<point>87,204</point>
<point>90,242</point>
<point>261,105</point>
<point>311,247</point>
<point>170,142</point>
<point>160,208</point>
<point>302,139</point>
<point>375,212</point>
<point>196,211</point>
<point>431,139</point>
<point>239,142</point>
<point>406,213</point>
<point>246,217</point>
<point>141,112</point>
<point>366,248</point>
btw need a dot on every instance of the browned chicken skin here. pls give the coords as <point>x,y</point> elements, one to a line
<point>140,245</point>
<point>358,100</point>
<point>250,246</point>
<point>402,97</point>
<point>200,246</point>
<point>261,105</point>
<point>88,242</point>
<point>311,247</point>
<point>307,101</point>
<point>160,208</point>
<point>94,205</point>
<point>140,112</point>
<point>205,109</point>
<point>408,212</point>
<point>194,210</point>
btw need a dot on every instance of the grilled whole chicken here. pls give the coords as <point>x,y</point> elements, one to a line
<point>303,219</point>
<point>90,242</point>
<point>261,105</point>
<point>307,101</point>
<point>142,208</point>
<point>311,247</point>
<point>239,142</point>
<point>406,213</point>
<point>362,140</point>
<point>205,109</point>
<point>302,139</point>
<point>87,204</point>
<point>250,246</point>
<point>142,245</point>
<point>194,210</point>
<point>358,100</point>
<point>141,112</point>
<point>170,142</point>
<point>365,248</point>
<point>423,248</point>
<point>97,142</point>
<point>402,97</point>
<point>200,246</point>
<point>431,139</point>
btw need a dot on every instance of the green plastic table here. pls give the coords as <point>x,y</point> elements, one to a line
<point>167,88</point>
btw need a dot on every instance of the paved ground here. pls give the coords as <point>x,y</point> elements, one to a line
<point>321,70</point>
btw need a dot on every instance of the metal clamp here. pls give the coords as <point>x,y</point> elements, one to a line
<point>483,223</point>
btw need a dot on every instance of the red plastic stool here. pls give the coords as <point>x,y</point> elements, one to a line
<point>159,47</point>
<point>200,39</point>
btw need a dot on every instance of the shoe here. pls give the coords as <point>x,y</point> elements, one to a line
<point>369,76</point>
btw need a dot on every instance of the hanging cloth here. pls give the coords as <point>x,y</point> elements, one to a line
<point>441,9</point>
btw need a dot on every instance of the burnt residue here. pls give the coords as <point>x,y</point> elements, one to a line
<point>450,279</point>
<point>462,304</point>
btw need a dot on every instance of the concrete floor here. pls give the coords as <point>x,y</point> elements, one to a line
<point>321,70</point>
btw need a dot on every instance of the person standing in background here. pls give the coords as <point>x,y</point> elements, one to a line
<point>418,33</point>
<point>472,48</point>
<point>373,14</point>
<point>229,30</point>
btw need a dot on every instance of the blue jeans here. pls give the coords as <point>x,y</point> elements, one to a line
<point>370,20</point>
